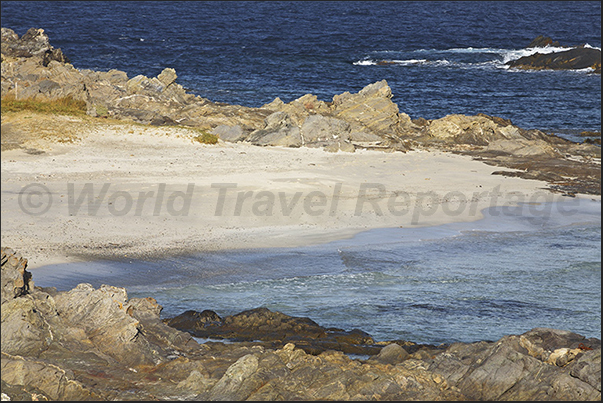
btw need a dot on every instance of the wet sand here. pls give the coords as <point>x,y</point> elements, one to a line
<point>146,276</point>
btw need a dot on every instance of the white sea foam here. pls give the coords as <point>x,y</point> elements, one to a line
<point>408,62</point>
<point>511,54</point>
<point>365,63</point>
<point>499,57</point>
<point>473,50</point>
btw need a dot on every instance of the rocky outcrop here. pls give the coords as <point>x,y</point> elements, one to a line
<point>542,41</point>
<point>34,43</point>
<point>371,109</point>
<point>15,282</point>
<point>575,58</point>
<point>568,167</point>
<point>46,333</point>
<point>572,59</point>
<point>290,374</point>
<point>567,364</point>
<point>367,119</point>
<point>96,344</point>
<point>370,120</point>
<point>480,130</point>
<point>275,329</point>
<point>32,69</point>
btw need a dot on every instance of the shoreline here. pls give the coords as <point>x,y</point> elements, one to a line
<point>144,279</point>
<point>149,277</point>
<point>160,193</point>
<point>235,240</point>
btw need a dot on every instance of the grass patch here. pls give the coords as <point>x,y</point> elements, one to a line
<point>61,106</point>
<point>101,111</point>
<point>206,138</point>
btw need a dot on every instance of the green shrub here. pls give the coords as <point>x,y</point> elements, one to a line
<point>206,138</point>
<point>101,111</point>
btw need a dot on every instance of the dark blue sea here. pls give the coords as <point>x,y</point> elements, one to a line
<point>461,282</point>
<point>448,55</point>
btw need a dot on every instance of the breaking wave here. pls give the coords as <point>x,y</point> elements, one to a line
<point>469,57</point>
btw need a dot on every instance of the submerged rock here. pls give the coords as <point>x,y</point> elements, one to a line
<point>573,59</point>
<point>276,329</point>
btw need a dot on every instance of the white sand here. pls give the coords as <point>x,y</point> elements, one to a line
<point>428,188</point>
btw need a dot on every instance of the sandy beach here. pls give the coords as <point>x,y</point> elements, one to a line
<point>156,191</point>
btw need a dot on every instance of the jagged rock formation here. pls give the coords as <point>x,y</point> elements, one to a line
<point>34,43</point>
<point>503,370</point>
<point>96,344</point>
<point>542,41</point>
<point>367,119</point>
<point>572,59</point>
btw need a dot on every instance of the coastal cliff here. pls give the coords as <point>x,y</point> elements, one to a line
<point>98,344</point>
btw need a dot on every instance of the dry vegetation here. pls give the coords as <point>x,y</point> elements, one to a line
<point>35,125</point>
<point>27,129</point>
<point>61,106</point>
<point>27,121</point>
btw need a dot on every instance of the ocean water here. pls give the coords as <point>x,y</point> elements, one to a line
<point>505,274</point>
<point>448,57</point>
<point>508,273</point>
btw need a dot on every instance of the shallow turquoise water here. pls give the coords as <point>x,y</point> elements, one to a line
<point>505,274</point>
